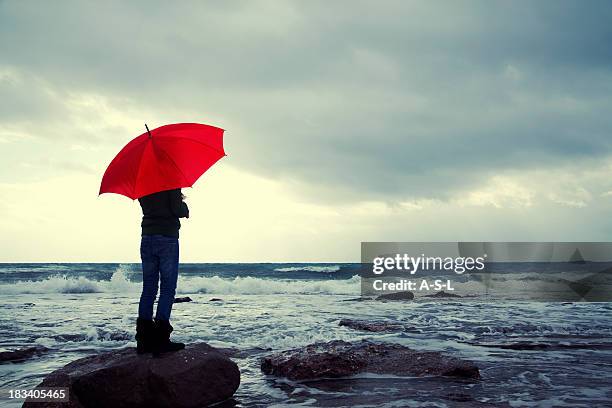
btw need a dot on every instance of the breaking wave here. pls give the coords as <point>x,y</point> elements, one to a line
<point>119,283</point>
<point>258,286</point>
<point>326,269</point>
<point>64,284</point>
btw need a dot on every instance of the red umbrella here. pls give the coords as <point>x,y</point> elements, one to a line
<point>169,157</point>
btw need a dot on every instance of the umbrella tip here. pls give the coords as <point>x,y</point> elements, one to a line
<point>148,131</point>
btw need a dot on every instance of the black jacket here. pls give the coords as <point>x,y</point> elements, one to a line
<point>161,212</point>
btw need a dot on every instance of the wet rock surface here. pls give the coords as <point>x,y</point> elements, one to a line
<point>529,345</point>
<point>22,354</point>
<point>359,299</point>
<point>339,358</point>
<point>443,294</point>
<point>197,376</point>
<point>373,326</point>
<point>396,296</point>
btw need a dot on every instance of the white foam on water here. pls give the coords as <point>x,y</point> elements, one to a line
<point>64,284</point>
<point>119,283</point>
<point>258,286</point>
<point>56,284</point>
<point>326,269</point>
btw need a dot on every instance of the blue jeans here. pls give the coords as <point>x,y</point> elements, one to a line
<point>160,260</point>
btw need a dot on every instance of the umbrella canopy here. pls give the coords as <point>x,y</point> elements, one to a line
<point>169,157</point>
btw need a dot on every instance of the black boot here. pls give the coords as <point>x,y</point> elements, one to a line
<point>162,337</point>
<point>145,336</point>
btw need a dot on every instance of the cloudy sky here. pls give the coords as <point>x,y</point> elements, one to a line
<point>346,121</point>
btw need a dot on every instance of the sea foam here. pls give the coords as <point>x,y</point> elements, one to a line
<point>257,286</point>
<point>326,269</point>
<point>119,283</point>
<point>65,284</point>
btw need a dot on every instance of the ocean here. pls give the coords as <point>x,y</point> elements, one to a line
<point>532,354</point>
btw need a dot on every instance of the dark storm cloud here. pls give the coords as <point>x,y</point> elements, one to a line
<point>391,99</point>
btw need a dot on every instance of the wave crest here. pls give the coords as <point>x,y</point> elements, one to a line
<point>326,269</point>
<point>259,286</point>
<point>119,283</point>
<point>63,284</point>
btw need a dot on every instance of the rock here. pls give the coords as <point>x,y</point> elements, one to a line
<point>215,300</point>
<point>71,337</point>
<point>527,345</point>
<point>182,299</point>
<point>396,296</point>
<point>443,294</point>
<point>197,376</point>
<point>22,354</point>
<point>359,299</point>
<point>339,358</point>
<point>371,326</point>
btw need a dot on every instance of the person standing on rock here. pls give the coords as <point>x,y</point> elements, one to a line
<point>153,167</point>
<point>159,251</point>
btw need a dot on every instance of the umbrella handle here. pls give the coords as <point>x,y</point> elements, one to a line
<point>148,131</point>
